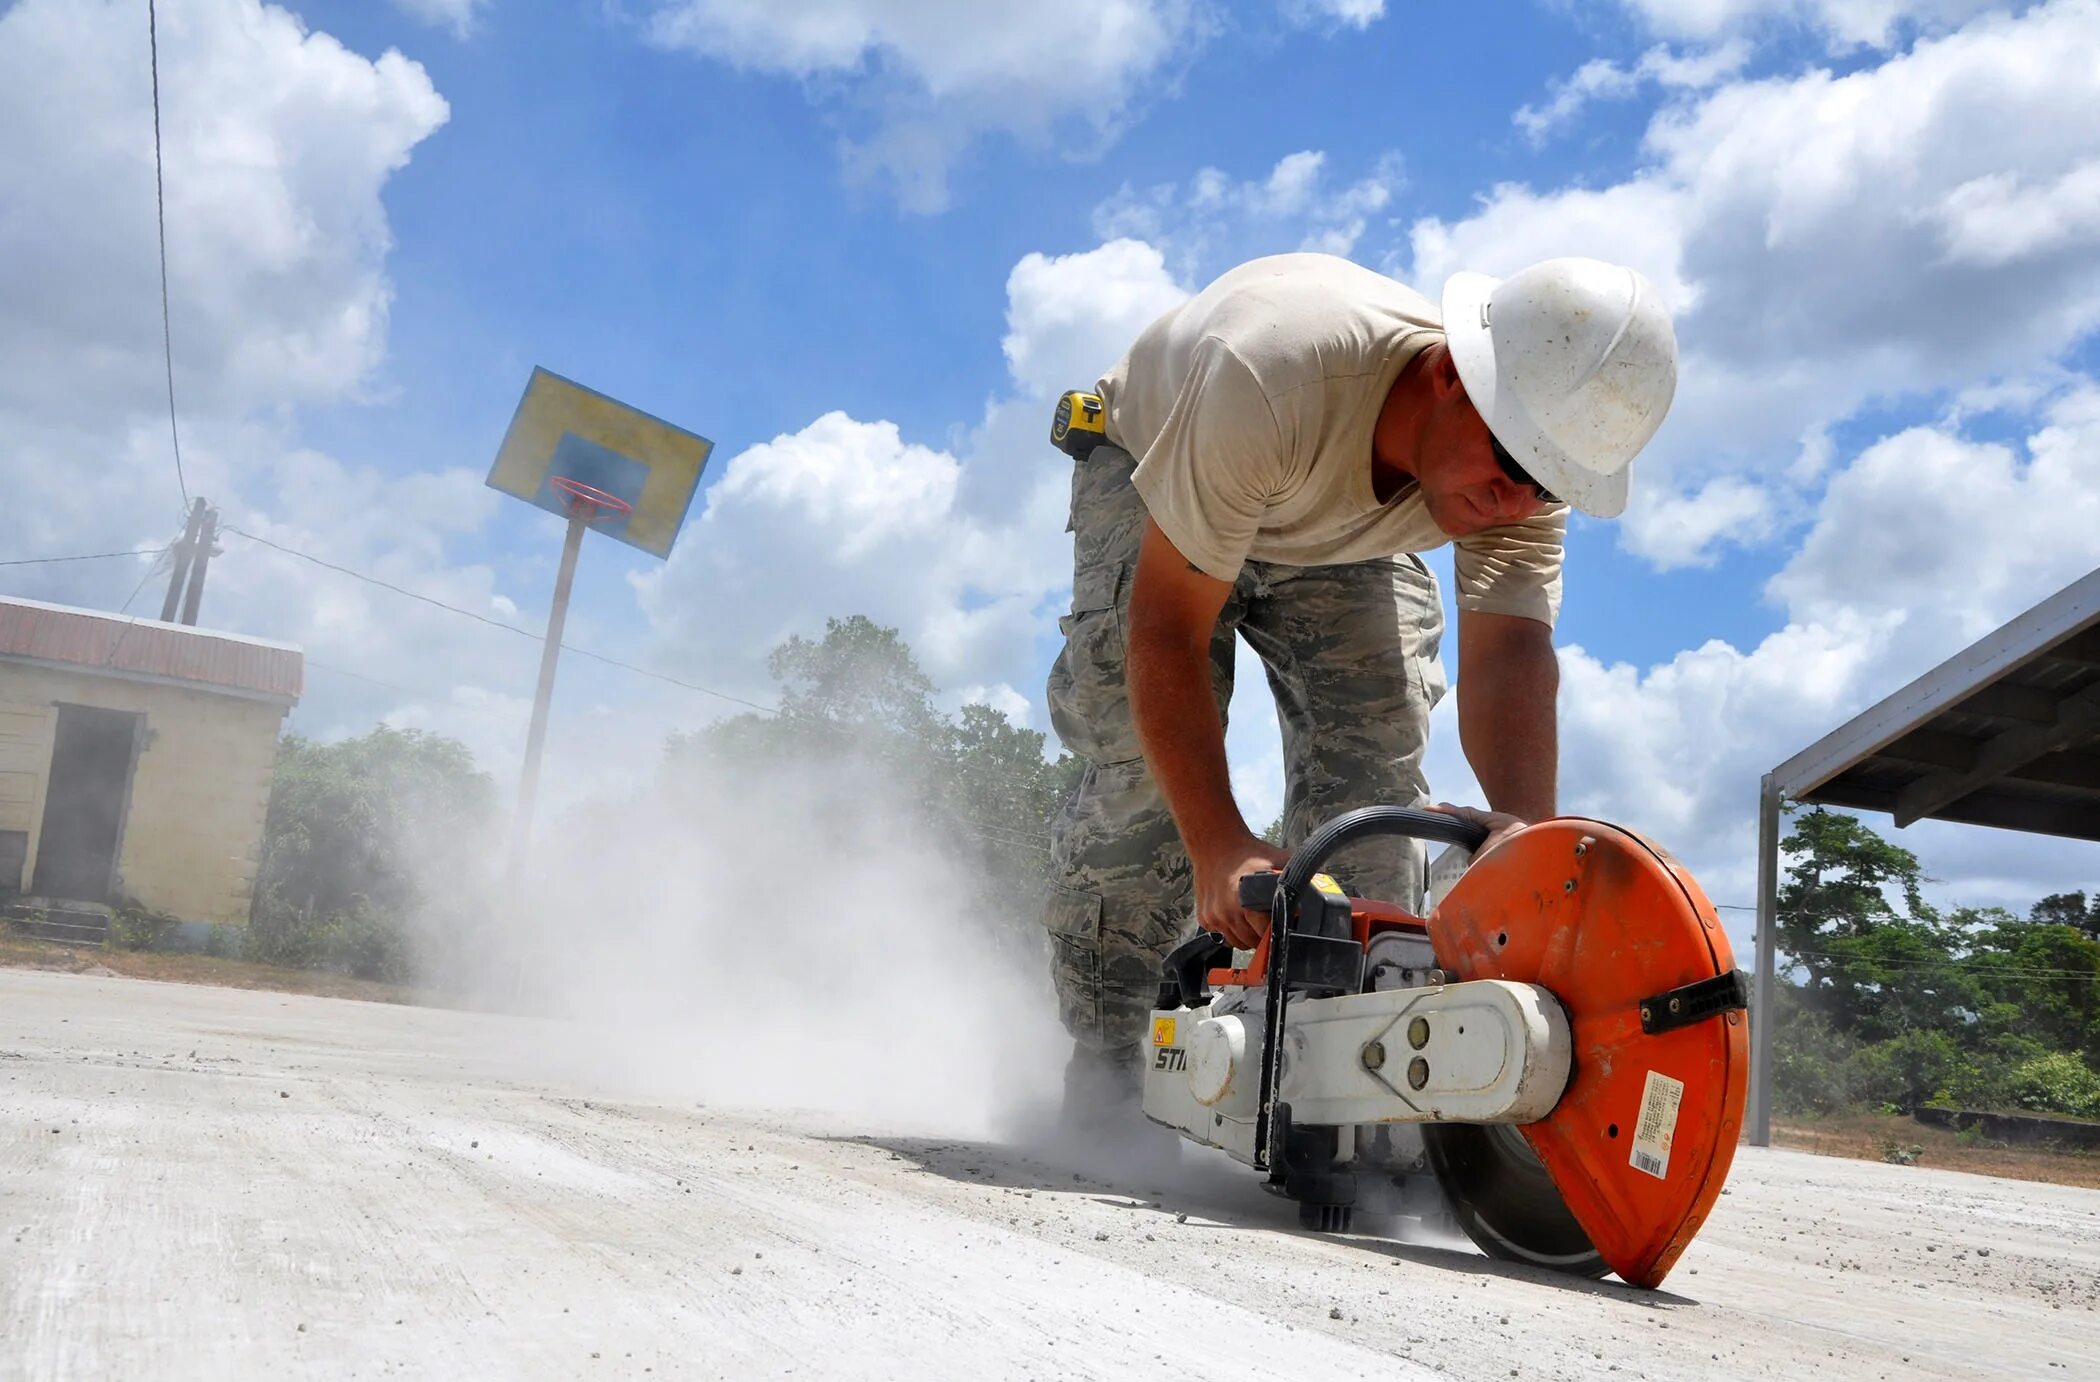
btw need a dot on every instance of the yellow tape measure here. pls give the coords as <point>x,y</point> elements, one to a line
<point>1080,424</point>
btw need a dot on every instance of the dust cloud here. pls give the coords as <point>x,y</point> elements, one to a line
<point>790,940</point>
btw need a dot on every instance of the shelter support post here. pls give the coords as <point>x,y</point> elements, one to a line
<point>1762,1016</point>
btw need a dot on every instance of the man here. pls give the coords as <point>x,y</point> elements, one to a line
<point>1278,449</point>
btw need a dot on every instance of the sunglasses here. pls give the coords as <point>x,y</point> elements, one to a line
<point>1517,474</point>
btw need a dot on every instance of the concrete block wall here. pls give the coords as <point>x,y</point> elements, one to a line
<point>193,831</point>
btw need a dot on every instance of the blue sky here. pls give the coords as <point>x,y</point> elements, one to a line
<point>860,243</point>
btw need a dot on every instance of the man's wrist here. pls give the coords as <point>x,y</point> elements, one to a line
<point>1222,839</point>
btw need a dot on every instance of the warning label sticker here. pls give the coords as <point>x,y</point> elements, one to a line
<point>1660,1100</point>
<point>1163,1031</point>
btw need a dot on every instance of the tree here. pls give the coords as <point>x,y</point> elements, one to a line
<point>2068,909</point>
<point>1004,794</point>
<point>861,677</point>
<point>2039,979</point>
<point>357,837</point>
<point>1866,965</point>
<point>858,691</point>
<point>1897,1004</point>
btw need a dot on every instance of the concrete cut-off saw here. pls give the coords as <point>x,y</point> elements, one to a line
<point>1559,1046</point>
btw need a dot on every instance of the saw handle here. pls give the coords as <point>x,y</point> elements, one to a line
<point>1273,1117</point>
<point>1186,980</point>
<point>1188,967</point>
<point>1352,826</point>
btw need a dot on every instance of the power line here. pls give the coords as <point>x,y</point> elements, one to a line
<point>1979,965</point>
<point>160,220</point>
<point>116,644</point>
<point>384,585</point>
<point>321,666</point>
<point>498,623</point>
<point>660,676</point>
<point>84,556</point>
<point>125,608</point>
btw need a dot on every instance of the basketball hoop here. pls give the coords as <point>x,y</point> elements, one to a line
<point>588,503</point>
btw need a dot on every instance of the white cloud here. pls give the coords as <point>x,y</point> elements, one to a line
<point>847,517</point>
<point>276,143</point>
<point>1638,222</point>
<point>1213,221</point>
<point>1998,218</point>
<point>1821,237</point>
<point>1675,530</point>
<point>1932,527</point>
<point>858,483</point>
<point>461,17</point>
<point>1601,79</point>
<point>918,80</point>
<point>1017,708</point>
<point>1069,317</point>
<point>963,551</point>
<point>1844,24</point>
<point>1351,14</point>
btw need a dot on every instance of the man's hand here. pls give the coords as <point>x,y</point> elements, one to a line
<point>1218,891</point>
<point>1173,613</point>
<point>1499,825</point>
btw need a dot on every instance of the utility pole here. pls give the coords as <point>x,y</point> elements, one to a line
<point>200,561</point>
<point>178,577</point>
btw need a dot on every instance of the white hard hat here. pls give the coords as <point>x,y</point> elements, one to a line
<point>1572,364</point>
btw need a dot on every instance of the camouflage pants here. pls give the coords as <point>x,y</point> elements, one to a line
<point>1351,654</point>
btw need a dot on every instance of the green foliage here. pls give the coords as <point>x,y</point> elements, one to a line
<point>861,680</point>
<point>2058,1082</point>
<point>1863,963</point>
<point>133,927</point>
<point>1898,1006</point>
<point>1903,1072</point>
<point>1809,1060</point>
<point>361,839</point>
<point>2040,979</point>
<point>2069,909</point>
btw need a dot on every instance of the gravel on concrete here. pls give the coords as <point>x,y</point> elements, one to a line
<point>202,1182</point>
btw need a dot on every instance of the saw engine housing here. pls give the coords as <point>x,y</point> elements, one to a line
<point>1558,1046</point>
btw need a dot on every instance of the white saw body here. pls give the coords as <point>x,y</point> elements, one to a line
<point>1488,1051</point>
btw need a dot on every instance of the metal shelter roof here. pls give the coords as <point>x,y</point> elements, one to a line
<point>2005,732</point>
<point>146,649</point>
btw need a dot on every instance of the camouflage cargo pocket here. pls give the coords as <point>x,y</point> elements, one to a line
<point>1072,916</point>
<point>1087,695</point>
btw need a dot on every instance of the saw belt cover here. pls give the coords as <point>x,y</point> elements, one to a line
<point>1642,1138</point>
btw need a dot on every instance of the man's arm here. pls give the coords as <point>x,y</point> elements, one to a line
<point>1173,611</point>
<point>1508,678</point>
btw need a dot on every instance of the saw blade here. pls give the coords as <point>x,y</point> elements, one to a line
<point>1504,1200</point>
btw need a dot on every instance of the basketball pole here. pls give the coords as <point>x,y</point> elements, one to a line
<point>580,515</point>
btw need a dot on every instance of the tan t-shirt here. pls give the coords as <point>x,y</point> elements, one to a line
<point>1250,410</point>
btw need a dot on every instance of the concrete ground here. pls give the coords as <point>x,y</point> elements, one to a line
<point>200,1182</point>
